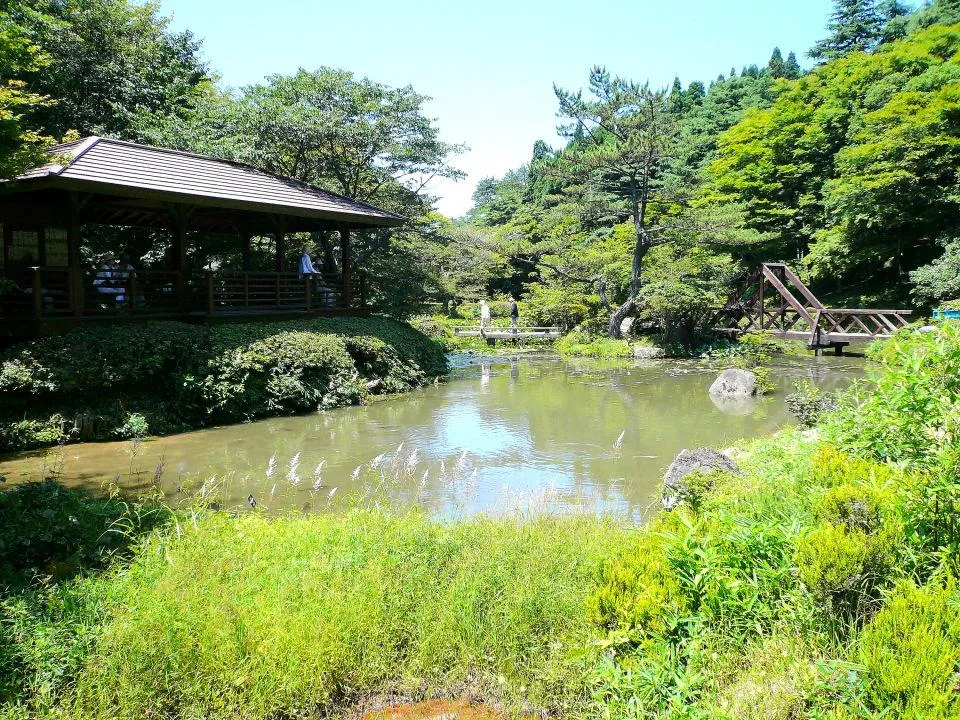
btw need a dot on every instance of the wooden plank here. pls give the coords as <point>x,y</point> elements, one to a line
<point>787,295</point>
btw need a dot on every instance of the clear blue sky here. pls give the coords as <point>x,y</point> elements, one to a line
<point>489,66</point>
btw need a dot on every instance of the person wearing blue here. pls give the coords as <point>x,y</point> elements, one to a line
<point>307,269</point>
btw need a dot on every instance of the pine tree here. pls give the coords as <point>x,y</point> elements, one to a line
<point>854,25</point>
<point>793,67</point>
<point>777,68</point>
<point>677,104</point>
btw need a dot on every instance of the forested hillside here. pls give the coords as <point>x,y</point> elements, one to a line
<point>848,171</point>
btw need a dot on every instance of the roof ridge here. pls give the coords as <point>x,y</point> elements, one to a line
<point>238,163</point>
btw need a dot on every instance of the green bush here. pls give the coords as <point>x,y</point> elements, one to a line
<point>565,308</point>
<point>909,411</point>
<point>127,380</point>
<point>845,568</point>
<point>48,529</point>
<point>809,403</point>
<point>911,651</point>
<point>285,372</point>
<point>580,343</point>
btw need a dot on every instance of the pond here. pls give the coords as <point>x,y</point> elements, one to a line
<point>525,433</point>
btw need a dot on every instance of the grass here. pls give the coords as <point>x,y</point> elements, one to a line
<point>250,617</point>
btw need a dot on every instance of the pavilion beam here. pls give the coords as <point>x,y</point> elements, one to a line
<point>73,253</point>
<point>179,219</point>
<point>7,243</point>
<point>280,241</point>
<point>246,238</point>
<point>346,267</point>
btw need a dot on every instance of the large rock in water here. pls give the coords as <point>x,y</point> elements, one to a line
<point>701,460</point>
<point>735,383</point>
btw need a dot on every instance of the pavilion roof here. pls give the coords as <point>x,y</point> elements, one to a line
<point>118,168</point>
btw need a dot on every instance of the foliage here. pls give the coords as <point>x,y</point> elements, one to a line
<point>48,529</point>
<point>852,167</point>
<point>859,25</point>
<point>908,412</point>
<point>580,343</point>
<point>108,64</point>
<point>809,403</point>
<point>127,380</point>
<point>940,280</point>
<point>21,146</point>
<point>912,651</point>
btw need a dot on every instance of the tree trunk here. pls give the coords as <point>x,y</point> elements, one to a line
<point>618,316</point>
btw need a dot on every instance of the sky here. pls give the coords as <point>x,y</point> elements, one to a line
<point>490,66</point>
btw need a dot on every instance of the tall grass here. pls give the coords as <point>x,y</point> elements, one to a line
<point>251,617</point>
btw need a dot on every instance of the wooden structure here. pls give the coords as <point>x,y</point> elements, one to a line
<point>100,181</point>
<point>518,334</point>
<point>774,300</point>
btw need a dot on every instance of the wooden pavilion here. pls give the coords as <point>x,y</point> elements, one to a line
<point>101,181</point>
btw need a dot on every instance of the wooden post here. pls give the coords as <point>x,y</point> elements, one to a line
<point>7,244</point>
<point>42,247</point>
<point>178,228</point>
<point>363,289</point>
<point>345,266</point>
<point>73,254</point>
<point>246,289</point>
<point>281,241</point>
<point>37,293</point>
<point>762,285</point>
<point>132,291</point>
<point>246,235</point>
<point>209,293</point>
<point>307,285</point>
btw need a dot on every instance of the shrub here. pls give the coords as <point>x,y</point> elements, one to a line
<point>845,568</point>
<point>284,372</point>
<point>909,411</point>
<point>553,306</point>
<point>911,651</point>
<point>127,380</point>
<point>580,343</point>
<point>635,590</point>
<point>46,528</point>
<point>809,403</point>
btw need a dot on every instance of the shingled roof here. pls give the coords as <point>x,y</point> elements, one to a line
<point>117,167</point>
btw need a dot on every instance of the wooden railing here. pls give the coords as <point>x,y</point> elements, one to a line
<point>766,303</point>
<point>63,292</point>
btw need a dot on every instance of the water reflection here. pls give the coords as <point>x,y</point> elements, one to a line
<point>503,433</point>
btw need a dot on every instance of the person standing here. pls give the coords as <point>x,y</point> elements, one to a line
<point>484,315</point>
<point>514,315</point>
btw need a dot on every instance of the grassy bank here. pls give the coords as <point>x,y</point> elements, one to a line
<point>817,583</point>
<point>157,378</point>
<point>252,618</point>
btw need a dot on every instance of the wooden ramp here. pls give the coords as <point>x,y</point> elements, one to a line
<point>492,334</point>
<point>768,301</point>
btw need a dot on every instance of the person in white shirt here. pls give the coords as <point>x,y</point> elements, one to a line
<point>325,292</point>
<point>306,264</point>
<point>484,315</point>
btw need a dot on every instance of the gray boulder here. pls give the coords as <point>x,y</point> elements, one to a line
<point>735,383</point>
<point>699,460</point>
<point>626,326</point>
<point>644,352</point>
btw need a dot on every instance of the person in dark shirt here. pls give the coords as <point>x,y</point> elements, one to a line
<point>514,315</point>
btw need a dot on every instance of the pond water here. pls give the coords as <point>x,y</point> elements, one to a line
<point>527,433</point>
